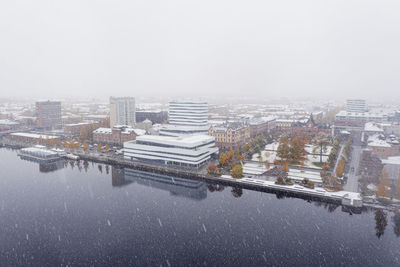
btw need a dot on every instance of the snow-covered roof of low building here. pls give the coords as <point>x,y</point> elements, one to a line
<point>124,130</point>
<point>184,141</point>
<point>8,122</point>
<point>103,130</point>
<point>392,160</point>
<point>374,140</point>
<point>136,131</point>
<point>372,127</point>
<point>33,135</point>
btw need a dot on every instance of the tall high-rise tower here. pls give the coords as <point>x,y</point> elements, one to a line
<point>122,111</point>
<point>48,114</point>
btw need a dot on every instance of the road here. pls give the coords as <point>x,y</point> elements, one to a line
<point>352,181</point>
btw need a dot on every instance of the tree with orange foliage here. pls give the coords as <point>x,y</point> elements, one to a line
<point>325,166</point>
<point>285,167</point>
<point>85,146</point>
<point>212,168</point>
<point>383,189</point>
<point>71,143</point>
<point>267,165</point>
<point>222,159</point>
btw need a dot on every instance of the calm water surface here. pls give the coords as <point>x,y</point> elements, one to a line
<point>52,215</point>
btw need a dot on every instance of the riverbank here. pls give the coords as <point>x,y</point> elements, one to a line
<point>342,197</point>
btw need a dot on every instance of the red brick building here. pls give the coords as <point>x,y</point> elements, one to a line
<point>75,128</point>
<point>261,126</point>
<point>116,135</point>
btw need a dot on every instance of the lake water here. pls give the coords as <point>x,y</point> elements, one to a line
<point>92,214</point>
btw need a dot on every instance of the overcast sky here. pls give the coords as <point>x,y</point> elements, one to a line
<point>181,48</point>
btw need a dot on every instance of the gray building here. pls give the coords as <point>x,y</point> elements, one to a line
<point>48,114</point>
<point>356,105</point>
<point>155,116</point>
<point>122,111</point>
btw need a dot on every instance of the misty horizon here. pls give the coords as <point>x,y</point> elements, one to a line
<point>289,49</point>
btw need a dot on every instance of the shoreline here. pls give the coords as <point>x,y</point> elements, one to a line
<point>347,199</point>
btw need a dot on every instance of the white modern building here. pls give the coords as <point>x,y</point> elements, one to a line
<point>356,106</point>
<point>188,151</point>
<point>186,118</point>
<point>122,111</point>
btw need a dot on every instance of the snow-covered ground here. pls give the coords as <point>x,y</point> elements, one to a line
<point>269,154</point>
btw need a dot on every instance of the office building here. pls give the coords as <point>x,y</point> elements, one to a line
<point>186,118</point>
<point>48,114</point>
<point>356,106</point>
<point>188,151</point>
<point>122,111</point>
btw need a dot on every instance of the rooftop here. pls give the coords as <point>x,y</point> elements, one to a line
<point>184,141</point>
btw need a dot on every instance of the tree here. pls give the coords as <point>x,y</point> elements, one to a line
<point>325,166</point>
<point>383,189</point>
<point>267,165</point>
<point>99,147</point>
<point>106,148</point>
<point>222,159</point>
<point>302,164</point>
<point>85,146</point>
<point>260,159</point>
<point>237,171</point>
<point>71,143</point>
<point>283,150</point>
<point>296,150</point>
<point>285,167</point>
<point>340,168</point>
<point>320,145</point>
<point>212,168</point>
<point>77,144</point>
<point>381,222</point>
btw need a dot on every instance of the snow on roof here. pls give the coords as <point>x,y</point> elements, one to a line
<point>374,140</point>
<point>33,135</point>
<point>372,127</point>
<point>392,160</point>
<point>103,130</point>
<point>186,141</point>
<point>8,122</point>
<point>136,131</point>
<point>126,130</point>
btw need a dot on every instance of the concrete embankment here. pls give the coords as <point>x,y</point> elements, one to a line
<point>341,197</point>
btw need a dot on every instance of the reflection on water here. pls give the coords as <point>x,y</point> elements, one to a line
<point>176,186</point>
<point>46,166</point>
